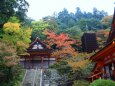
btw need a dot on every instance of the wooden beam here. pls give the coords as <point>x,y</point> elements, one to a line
<point>103,51</point>
<point>42,62</point>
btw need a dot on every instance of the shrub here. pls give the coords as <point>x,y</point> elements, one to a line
<point>18,74</point>
<point>81,83</point>
<point>102,82</point>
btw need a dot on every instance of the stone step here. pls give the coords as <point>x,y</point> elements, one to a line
<point>31,78</point>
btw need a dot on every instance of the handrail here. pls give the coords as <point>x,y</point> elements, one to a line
<point>96,74</point>
<point>34,77</point>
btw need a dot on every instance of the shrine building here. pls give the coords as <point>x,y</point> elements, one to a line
<point>39,55</point>
<point>105,58</point>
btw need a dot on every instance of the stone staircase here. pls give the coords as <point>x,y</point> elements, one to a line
<point>40,77</point>
<point>31,78</point>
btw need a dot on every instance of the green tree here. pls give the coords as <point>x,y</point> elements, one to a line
<point>89,24</point>
<point>27,22</point>
<point>82,19</point>
<point>9,8</point>
<point>38,28</point>
<point>78,14</point>
<point>74,32</point>
<point>98,14</point>
<point>71,22</point>
<point>14,19</point>
<point>52,23</point>
<point>63,18</point>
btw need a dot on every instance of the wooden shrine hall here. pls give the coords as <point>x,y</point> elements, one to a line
<point>105,58</point>
<point>38,51</point>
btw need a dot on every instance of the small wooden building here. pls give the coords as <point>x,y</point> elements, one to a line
<point>105,58</point>
<point>37,51</point>
<point>89,42</point>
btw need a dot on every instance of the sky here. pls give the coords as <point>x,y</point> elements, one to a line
<point>41,8</point>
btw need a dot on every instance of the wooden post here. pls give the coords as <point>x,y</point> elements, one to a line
<point>32,62</point>
<point>29,62</point>
<point>42,63</point>
<point>48,60</point>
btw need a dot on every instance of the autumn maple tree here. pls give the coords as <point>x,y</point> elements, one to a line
<point>62,44</point>
<point>65,51</point>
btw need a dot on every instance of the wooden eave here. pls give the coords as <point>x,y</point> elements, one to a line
<point>38,50</point>
<point>104,51</point>
<point>37,40</point>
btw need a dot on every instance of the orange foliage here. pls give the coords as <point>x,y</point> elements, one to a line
<point>10,61</point>
<point>65,51</point>
<point>63,42</point>
<point>8,54</point>
<point>102,36</point>
<point>103,32</point>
